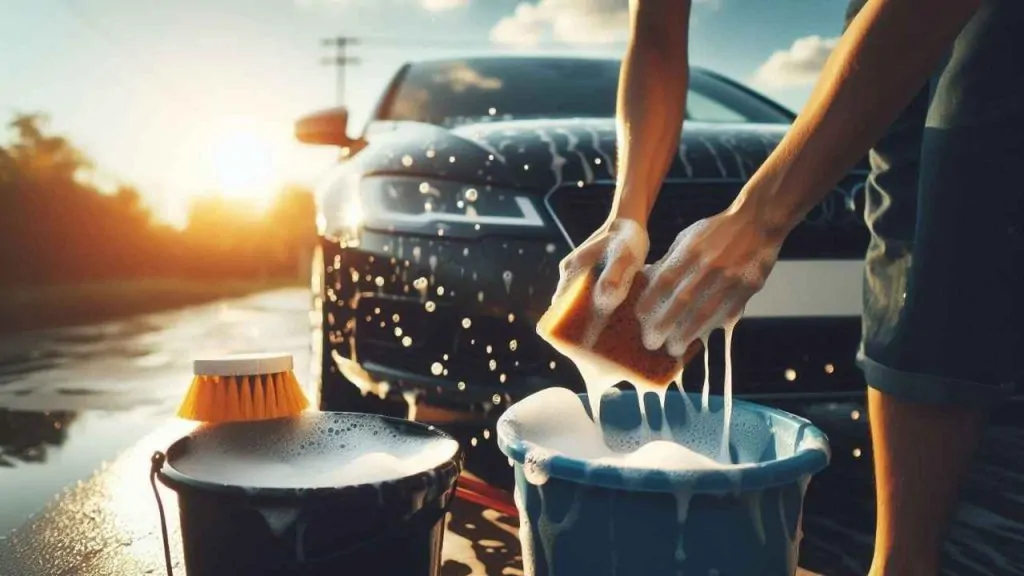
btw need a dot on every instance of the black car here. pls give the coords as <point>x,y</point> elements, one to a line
<point>443,226</point>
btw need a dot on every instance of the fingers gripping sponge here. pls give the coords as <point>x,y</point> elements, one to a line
<point>568,322</point>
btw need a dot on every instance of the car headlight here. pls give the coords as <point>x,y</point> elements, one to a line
<point>423,205</point>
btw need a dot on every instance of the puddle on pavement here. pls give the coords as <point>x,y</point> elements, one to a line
<point>73,398</point>
<point>41,453</point>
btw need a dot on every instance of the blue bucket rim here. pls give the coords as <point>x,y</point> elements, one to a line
<point>804,463</point>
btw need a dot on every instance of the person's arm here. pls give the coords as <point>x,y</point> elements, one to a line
<point>651,103</point>
<point>886,55</point>
<point>715,266</point>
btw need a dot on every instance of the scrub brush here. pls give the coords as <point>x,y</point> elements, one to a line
<point>243,387</point>
<point>565,325</point>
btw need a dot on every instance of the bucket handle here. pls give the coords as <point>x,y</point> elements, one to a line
<point>157,462</point>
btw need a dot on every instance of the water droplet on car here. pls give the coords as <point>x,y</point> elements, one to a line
<point>416,254</point>
<point>473,440</point>
<point>790,374</point>
<point>597,161</point>
<point>550,248</point>
<point>398,331</point>
<point>490,349</point>
<point>506,276</point>
<point>395,318</point>
<point>829,368</point>
<point>436,368</point>
<point>487,432</point>
<point>465,251</point>
<point>476,226</point>
<point>492,111</point>
<point>493,364</point>
<point>471,195</point>
<point>855,415</point>
<point>511,317</point>
<point>433,263</point>
<point>379,281</point>
<point>430,153</point>
<point>424,187</point>
<point>579,184</point>
<point>430,306</point>
<point>440,290</point>
<point>502,378</point>
<point>466,322</point>
<point>406,160</point>
<point>496,399</point>
<point>451,159</point>
<point>512,345</point>
<point>551,364</point>
<point>480,296</point>
<point>526,167</point>
<point>462,385</point>
<point>407,341</point>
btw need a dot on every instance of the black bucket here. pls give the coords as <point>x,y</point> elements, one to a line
<point>363,521</point>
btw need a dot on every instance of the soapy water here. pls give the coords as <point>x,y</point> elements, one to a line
<point>554,422</point>
<point>311,453</point>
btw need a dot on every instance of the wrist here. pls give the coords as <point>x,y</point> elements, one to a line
<point>629,205</point>
<point>762,205</point>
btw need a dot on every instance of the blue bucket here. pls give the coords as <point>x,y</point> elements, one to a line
<point>585,519</point>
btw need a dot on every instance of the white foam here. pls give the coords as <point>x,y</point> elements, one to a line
<point>310,452</point>
<point>554,422</point>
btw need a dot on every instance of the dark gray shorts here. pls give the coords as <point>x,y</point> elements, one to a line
<point>944,283</point>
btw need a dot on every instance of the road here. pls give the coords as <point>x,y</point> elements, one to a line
<point>71,399</point>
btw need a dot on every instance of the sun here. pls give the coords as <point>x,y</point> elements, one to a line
<point>242,157</point>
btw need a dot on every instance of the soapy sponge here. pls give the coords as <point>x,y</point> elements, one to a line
<point>565,326</point>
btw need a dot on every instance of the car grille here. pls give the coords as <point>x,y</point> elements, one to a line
<point>833,230</point>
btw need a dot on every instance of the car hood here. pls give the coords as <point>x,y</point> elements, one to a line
<point>543,155</point>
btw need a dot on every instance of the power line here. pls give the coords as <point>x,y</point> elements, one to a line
<point>340,61</point>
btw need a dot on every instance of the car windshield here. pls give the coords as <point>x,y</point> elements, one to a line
<point>449,93</point>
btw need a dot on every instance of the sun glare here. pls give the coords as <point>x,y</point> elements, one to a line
<point>242,159</point>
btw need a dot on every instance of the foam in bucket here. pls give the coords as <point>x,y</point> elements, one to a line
<point>575,471</point>
<point>553,422</point>
<point>310,452</point>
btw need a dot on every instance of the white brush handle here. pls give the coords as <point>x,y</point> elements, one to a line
<point>243,365</point>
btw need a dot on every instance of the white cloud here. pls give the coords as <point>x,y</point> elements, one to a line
<point>580,22</point>
<point>565,21</point>
<point>799,65</point>
<point>443,5</point>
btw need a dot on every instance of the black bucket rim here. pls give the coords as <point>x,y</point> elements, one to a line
<point>441,474</point>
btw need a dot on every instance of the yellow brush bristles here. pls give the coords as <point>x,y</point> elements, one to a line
<point>235,398</point>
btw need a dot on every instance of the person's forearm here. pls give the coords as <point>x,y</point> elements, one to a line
<point>651,102</point>
<point>882,61</point>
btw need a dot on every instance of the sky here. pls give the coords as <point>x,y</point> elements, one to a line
<point>187,97</point>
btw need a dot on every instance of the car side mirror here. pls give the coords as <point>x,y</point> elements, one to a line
<point>327,127</point>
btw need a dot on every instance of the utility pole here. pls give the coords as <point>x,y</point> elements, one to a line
<point>340,60</point>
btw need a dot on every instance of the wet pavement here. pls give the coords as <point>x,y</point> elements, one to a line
<point>71,399</point>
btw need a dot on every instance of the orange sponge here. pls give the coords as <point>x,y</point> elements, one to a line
<point>566,322</point>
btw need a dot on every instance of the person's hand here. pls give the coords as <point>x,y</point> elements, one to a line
<point>616,252</point>
<point>705,280</point>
